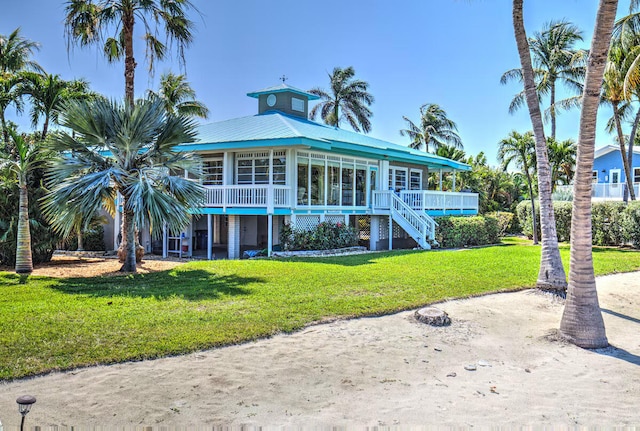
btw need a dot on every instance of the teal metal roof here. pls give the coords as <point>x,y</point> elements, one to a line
<point>273,128</point>
<point>282,88</point>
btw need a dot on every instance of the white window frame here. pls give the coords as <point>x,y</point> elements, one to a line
<point>636,175</point>
<point>205,174</point>
<point>415,171</point>
<point>269,155</point>
<point>393,185</point>
<point>594,176</point>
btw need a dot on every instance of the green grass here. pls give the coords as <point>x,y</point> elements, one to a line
<point>54,324</point>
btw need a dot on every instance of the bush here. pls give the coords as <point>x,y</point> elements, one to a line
<point>631,224</point>
<point>507,222</point>
<point>455,232</point>
<point>612,223</point>
<point>324,236</point>
<point>43,239</point>
<point>93,239</point>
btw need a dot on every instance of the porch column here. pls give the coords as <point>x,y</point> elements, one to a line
<point>217,220</point>
<point>117,221</point>
<point>209,237</point>
<point>165,241</point>
<point>374,233</point>
<point>234,237</point>
<point>269,234</point>
<point>390,232</point>
<point>440,181</point>
<point>453,189</point>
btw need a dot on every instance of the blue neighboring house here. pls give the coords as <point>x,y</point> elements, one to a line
<point>608,175</point>
<point>279,167</point>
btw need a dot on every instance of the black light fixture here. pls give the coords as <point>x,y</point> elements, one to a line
<point>24,405</point>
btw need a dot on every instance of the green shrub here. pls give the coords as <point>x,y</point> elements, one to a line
<point>631,224</point>
<point>93,239</point>
<point>324,236</point>
<point>455,232</point>
<point>562,213</point>
<point>507,222</point>
<point>607,225</point>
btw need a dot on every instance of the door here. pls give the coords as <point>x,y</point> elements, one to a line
<point>615,188</point>
<point>372,184</point>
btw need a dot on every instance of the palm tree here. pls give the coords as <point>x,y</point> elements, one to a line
<point>562,157</point>
<point>582,320</point>
<point>551,276</point>
<point>554,59</point>
<point>348,100</point>
<point>15,53</point>
<point>520,149</point>
<point>20,159</point>
<point>178,97</point>
<point>615,94</point>
<point>435,129</point>
<point>117,148</point>
<point>47,92</point>
<point>15,56</point>
<point>87,22</point>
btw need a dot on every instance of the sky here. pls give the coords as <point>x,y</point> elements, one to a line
<point>411,52</point>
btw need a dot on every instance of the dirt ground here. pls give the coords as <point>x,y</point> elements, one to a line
<point>76,266</point>
<point>497,364</point>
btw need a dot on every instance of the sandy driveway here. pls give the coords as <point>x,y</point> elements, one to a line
<point>377,371</point>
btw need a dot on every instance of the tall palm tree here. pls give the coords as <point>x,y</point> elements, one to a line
<point>613,92</point>
<point>554,60</point>
<point>519,149</point>
<point>348,100</point>
<point>562,157</point>
<point>551,276</point>
<point>178,97</point>
<point>88,21</point>
<point>582,320</point>
<point>15,57</point>
<point>117,148</point>
<point>47,92</point>
<point>435,129</point>
<point>19,160</point>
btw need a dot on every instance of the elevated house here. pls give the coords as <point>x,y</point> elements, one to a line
<point>278,167</point>
<point>608,175</point>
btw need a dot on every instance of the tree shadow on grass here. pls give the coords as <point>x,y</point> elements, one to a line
<point>194,285</point>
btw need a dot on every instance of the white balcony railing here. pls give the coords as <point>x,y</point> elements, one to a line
<point>268,196</point>
<point>429,200</point>
<point>603,191</point>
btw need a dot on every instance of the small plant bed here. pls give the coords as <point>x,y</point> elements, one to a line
<point>63,323</point>
<point>315,253</point>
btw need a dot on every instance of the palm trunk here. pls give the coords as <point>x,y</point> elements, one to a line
<point>552,110</point>
<point>45,127</point>
<point>24,261</point>
<point>128,21</point>
<point>582,320</point>
<point>80,241</point>
<point>551,276</point>
<point>632,138</point>
<point>623,154</point>
<point>128,240</point>
<point>5,132</point>
<point>533,207</point>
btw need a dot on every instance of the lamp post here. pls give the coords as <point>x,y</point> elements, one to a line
<point>24,405</point>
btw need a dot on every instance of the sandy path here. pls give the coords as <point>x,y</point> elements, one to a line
<point>376,371</point>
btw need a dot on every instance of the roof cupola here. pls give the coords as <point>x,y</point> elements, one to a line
<point>284,98</point>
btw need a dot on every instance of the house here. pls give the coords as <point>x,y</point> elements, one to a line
<point>278,167</point>
<point>608,174</point>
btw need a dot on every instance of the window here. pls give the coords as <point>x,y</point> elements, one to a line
<point>317,182</point>
<point>594,177</point>
<point>636,175</point>
<point>212,172</point>
<point>415,180</point>
<point>256,168</point>
<point>333,195</point>
<point>361,186</point>
<point>397,179</point>
<point>347,186</point>
<point>303,181</point>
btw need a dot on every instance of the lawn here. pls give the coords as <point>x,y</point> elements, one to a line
<point>56,324</point>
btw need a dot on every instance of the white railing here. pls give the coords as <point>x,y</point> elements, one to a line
<point>604,191</point>
<point>417,223</point>
<point>268,196</point>
<point>428,200</point>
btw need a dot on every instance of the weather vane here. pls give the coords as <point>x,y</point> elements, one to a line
<point>283,78</point>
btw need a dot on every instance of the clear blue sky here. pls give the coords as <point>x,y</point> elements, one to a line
<point>449,52</point>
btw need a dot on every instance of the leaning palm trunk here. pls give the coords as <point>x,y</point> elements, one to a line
<point>24,261</point>
<point>582,320</point>
<point>632,137</point>
<point>625,161</point>
<point>551,276</point>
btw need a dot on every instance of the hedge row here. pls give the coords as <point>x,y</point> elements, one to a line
<point>325,236</point>
<point>455,232</point>
<point>613,223</point>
